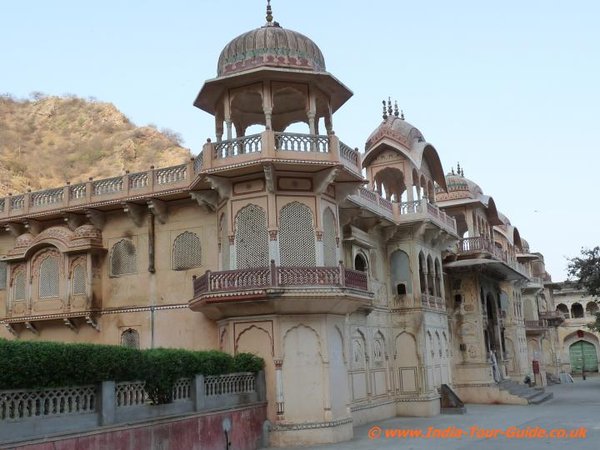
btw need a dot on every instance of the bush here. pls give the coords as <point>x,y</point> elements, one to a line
<point>26,364</point>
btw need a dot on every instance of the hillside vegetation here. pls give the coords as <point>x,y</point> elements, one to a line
<point>46,141</point>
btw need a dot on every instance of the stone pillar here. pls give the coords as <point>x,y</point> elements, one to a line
<point>279,399</point>
<point>107,403</point>
<point>198,393</point>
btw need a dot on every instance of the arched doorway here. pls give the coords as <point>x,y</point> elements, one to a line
<point>583,357</point>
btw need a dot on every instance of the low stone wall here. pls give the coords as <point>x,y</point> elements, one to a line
<point>191,432</point>
<point>30,414</point>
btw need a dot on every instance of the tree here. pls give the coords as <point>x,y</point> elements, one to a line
<point>585,270</point>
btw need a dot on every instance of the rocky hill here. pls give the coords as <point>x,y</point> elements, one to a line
<point>46,141</point>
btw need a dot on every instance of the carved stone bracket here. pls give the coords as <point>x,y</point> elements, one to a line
<point>70,324</point>
<point>11,329</point>
<point>91,321</point>
<point>221,185</point>
<point>31,327</point>
<point>269,177</point>
<point>324,178</point>
<point>136,212</point>
<point>207,199</point>
<point>96,218</point>
<point>33,226</point>
<point>159,209</point>
<point>343,190</point>
<point>74,220</point>
<point>16,229</point>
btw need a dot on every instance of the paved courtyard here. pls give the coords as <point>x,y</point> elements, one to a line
<point>573,406</point>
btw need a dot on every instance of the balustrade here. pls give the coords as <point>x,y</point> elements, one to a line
<point>48,197</point>
<point>138,180</point>
<point>274,276</point>
<point>170,175</point>
<point>297,142</point>
<point>238,146</point>
<point>107,186</point>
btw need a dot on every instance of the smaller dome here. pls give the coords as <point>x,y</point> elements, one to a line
<point>24,240</point>
<point>87,231</point>
<point>397,129</point>
<point>459,187</point>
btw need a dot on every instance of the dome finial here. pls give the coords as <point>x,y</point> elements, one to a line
<point>390,110</point>
<point>396,112</point>
<point>402,114</point>
<point>269,12</point>
<point>385,114</point>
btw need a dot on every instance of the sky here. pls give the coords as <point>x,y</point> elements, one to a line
<point>509,89</point>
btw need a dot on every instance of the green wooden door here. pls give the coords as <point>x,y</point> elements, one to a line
<point>583,356</point>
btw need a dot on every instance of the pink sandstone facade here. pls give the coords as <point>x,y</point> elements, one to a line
<point>366,280</point>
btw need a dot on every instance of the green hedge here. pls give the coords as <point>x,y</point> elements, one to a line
<point>25,365</point>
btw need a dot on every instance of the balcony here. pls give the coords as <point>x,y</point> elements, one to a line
<point>479,251</point>
<point>281,149</point>
<point>150,183</point>
<point>554,318</point>
<point>403,213</point>
<point>277,289</point>
<point>536,326</point>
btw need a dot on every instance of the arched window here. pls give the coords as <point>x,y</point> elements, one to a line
<point>360,262</point>
<point>438,278</point>
<point>187,252</point>
<point>78,282</point>
<point>422,278</point>
<point>123,259</point>
<point>591,308</point>
<point>296,236</point>
<point>49,278</point>
<point>130,338</point>
<point>430,274</point>
<point>251,238</point>
<point>576,311</point>
<point>19,285</point>
<point>329,242</point>
<point>564,310</point>
<point>400,272</point>
<point>3,266</point>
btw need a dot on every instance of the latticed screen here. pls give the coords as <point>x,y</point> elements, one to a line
<point>187,252</point>
<point>251,238</point>
<point>296,236</point>
<point>49,277</point>
<point>19,286</point>
<point>2,275</point>
<point>329,244</point>
<point>78,280</point>
<point>130,338</point>
<point>123,259</point>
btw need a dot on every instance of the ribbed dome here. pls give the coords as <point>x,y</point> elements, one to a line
<point>461,187</point>
<point>395,128</point>
<point>270,46</point>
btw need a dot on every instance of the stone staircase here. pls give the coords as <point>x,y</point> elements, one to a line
<point>534,396</point>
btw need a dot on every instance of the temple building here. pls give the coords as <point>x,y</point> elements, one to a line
<point>369,282</point>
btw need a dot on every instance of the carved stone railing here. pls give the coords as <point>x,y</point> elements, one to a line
<point>169,175</point>
<point>296,142</point>
<point>536,324</point>
<point>349,154</point>
<point>238,146</point>
<point>48,197</point>
<point>37,404</point>
<point>235,383</point>
<point>107,186</point>
<point>482,244</point>
<point>279,276</point>
<point>403,212</point>
<point>114,189</point>
<point>131,393</point>
<point>138,180</point>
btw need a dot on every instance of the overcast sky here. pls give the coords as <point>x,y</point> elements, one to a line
<point>509,89</point>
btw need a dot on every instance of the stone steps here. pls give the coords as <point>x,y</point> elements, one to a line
<point>534,396</point>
